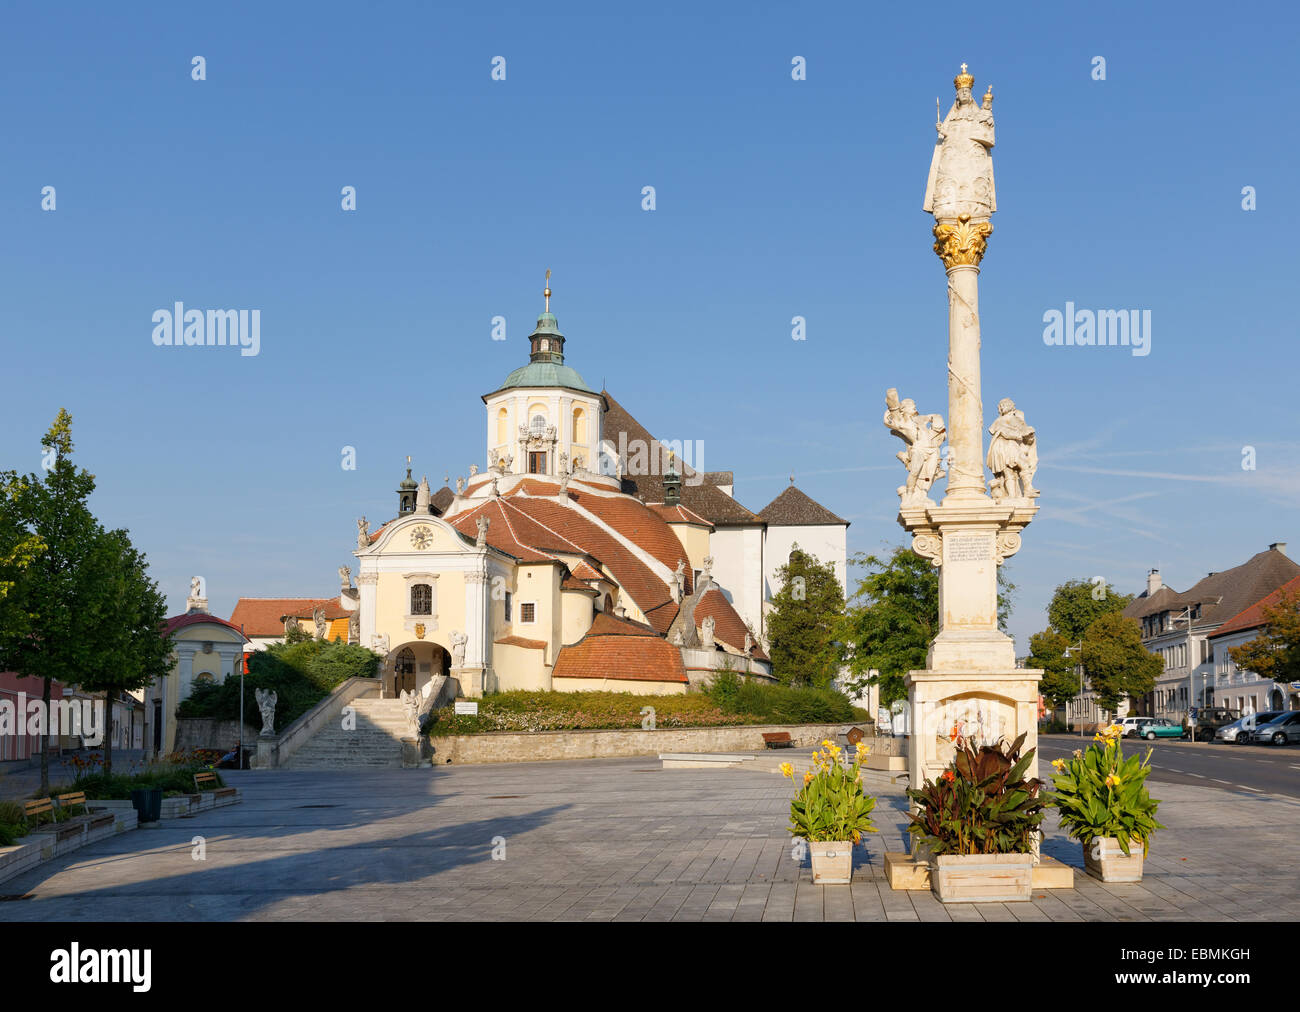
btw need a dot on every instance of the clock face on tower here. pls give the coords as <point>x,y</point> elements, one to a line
<point>422,537</point>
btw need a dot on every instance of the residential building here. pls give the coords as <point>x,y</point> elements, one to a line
<point>1244,690</point>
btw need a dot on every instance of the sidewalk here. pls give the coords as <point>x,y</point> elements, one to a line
<point>17,784</point>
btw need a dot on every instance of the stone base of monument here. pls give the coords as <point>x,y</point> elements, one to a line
<point>894,763</point>
<point>908,871</point>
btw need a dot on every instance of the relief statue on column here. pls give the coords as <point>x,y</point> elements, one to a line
<point>924,436</point>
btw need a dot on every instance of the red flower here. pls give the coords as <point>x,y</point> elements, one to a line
<point>949,776</point>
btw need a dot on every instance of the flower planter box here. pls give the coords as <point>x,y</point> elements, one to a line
<point>982,878</point>
<point>832,862</point>
<point>1104,859</point>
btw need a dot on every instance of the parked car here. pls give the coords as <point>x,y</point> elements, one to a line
<point>1158,727</point>
<point>1239,731</point>
<point>1210,718</point>
<point>1130,725</point>
<point>1279,731</point>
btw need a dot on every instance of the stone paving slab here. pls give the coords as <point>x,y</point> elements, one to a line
<point>607,840</point>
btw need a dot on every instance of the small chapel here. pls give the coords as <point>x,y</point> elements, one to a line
<point>585,555</point>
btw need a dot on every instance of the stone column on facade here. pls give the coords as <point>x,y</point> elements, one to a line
<point>474,671</point>
<point>367,592</point>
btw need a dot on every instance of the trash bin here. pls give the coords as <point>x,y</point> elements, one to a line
<point>147,802</point>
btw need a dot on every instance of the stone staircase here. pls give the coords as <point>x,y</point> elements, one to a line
<point>376,742</point>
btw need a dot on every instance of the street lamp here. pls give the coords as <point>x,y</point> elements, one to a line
<point>243,670</point>
<point>1079,647</point>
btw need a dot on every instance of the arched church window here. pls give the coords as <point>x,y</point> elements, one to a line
<point>538,425</point>
<point>579,426</point>
<point>503,428</point>
<point>421,599</point>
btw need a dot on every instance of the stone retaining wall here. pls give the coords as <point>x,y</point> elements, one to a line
<point>204,732</point>
<point>511,747</point>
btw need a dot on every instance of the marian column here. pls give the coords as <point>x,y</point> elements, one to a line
<point>970,682</point>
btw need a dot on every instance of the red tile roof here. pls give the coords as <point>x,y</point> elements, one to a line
<point>198,618</point>
<point>636,657</point>
<point>1253,617</point>
<point>678,514</point>
<point>728,627</point>
<point>640,525</point>
<point>264,616</point>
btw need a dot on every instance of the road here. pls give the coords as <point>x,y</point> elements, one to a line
<point>1258,769</point>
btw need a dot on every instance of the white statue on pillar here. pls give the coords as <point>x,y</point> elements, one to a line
<point>961,170</point>
<point>458,643</point>
<point>1013,454</point>
<point>924,436</point>
<point>266,700</point>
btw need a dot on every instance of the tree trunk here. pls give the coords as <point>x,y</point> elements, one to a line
<point>108,731</point>
<point>44,740</point>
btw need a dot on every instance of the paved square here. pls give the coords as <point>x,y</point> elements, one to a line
<point>616,839</point>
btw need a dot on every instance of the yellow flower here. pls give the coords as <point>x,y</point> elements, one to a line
<point>1113,780</point>
<point>787,770</point>
<point>1059,764</point>
<point>827,744</point>
<point>807,778</point>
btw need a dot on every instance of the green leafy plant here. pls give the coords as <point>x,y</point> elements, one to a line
<point>981,804</point>
<point>1101,792</point>
<point>831,804</point>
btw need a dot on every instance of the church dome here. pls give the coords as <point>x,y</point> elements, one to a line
<point>546,374</point>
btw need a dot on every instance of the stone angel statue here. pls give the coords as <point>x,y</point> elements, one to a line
<point>363,532</point>
<point>266,700</point>
<point>924,436</point>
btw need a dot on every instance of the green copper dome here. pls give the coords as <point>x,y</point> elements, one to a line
<point>546,366</point>
<point>546,374</point>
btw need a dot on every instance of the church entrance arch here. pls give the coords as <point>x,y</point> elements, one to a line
<point>411,666</point>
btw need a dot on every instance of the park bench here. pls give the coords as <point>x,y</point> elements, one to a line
<point>207,777</point>
<point>59,830</point>
<point>777,739</point>
<point>92,820</point>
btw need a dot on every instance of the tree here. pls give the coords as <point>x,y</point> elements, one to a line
<point>47,601</point>
<point>891,629</point>
<point>804,622</point>
<point>1076,608</point>
<point>1076,604</point>
<point>1115,661</point>
<point>131,649</point>
<point>1047,650</point>
<point>1275,652</point>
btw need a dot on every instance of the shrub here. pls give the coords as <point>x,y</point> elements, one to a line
<point>831,804</point>
<point>981,804</point>
<point>1101,793</point>
<point>301,674</point>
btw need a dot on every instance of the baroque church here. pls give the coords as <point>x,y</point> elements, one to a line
<point>585,556</point>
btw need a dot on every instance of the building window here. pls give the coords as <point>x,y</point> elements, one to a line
<point>507,606</point>
<point>537,427</point>
<point>503,428</point>
<point>579,426</point>
<point>421,599</point>
<point>536,463</point>
<point>528,612</point>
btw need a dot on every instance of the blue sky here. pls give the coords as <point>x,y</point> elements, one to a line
<point>775,198</point>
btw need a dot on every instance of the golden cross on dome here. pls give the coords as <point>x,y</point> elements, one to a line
<point>547,292</point>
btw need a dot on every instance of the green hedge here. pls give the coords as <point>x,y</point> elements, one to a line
<point>302,674</point>
<point>728,702</point>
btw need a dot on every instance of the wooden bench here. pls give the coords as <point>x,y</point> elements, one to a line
<point>777,739</point>
<point>207,777</point>
<point>59,830</point>
<point>93,820</point>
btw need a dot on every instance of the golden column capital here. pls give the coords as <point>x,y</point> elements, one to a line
<point>961,243</point>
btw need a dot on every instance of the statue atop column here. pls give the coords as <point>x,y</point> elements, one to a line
<point>924,436</point>
<point>1013,454</point>
<point>961,170</point>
